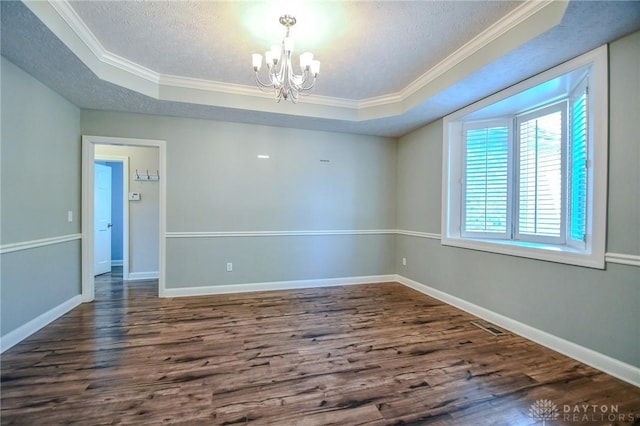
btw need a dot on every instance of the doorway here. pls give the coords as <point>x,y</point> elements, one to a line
<point>102,219</point>
<point>118,254</point>
<point>89,233</point>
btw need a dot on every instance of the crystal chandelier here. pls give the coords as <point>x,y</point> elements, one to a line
<point>280,74</point>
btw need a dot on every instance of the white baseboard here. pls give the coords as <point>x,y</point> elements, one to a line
<point>117,263</point>
<point>139,276</point>
<point>275,285</point>
<point>19,334</point>
<point>612,366</point>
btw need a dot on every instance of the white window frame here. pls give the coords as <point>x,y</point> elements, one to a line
<point>592,254</point>
<point>562,107</point>
<point>507,122</point>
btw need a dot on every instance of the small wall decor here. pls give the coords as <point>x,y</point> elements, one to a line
<point>147,176</point>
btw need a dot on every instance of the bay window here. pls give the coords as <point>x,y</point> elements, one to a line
<point>525,169</point>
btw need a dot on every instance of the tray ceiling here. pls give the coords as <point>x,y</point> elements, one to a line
<point>387,67</point>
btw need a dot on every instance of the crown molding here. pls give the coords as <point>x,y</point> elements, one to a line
<point>516,17</point>
<point>377,101</point>
<point>82,31</point>
<point>482,40</point>
<point>73,20</point>
<point>118,70</point>
<point>130,67</point>
<point>244,90</point>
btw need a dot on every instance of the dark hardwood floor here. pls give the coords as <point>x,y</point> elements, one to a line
<point>370,354</point>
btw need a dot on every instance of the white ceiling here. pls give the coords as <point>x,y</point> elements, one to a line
<point>367,49</point>
<point>387,67</point>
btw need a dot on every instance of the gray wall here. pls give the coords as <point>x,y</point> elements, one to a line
<point>593,308</point>
<point>40,178</point>
<point>623,220</point>
<point>143,214</point>
<point>216,183</point>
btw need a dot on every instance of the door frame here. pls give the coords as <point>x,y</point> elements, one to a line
<point>88,157</point>
<point>124,160</point>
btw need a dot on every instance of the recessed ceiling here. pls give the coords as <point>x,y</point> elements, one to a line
<point>387,67</point>
<point>367,49</point>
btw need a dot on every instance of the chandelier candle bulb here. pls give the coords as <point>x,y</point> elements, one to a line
<point>315,68</point>
<point>276,51</point>
<point>305,60</point>
<point>268,57</point>
<point>257,61</point>
<point>281,76</point>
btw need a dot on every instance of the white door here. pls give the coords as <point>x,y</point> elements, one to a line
<point>102,219</point>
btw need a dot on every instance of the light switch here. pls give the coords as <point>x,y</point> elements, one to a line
<point>69,216</point>
<point>134,196</point>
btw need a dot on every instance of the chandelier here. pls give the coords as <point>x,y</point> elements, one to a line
<point>280,74</point>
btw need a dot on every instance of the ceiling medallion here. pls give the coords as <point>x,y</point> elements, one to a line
<point>280,74</point>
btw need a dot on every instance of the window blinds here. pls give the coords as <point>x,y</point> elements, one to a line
<point>578,172</point>
<point>540,175</point>
<point>486,180</point>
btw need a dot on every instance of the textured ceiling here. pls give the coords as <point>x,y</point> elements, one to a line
<point>368,48</point>
<point>30,44</point>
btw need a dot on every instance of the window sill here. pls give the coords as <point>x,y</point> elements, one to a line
<point>538,251</point>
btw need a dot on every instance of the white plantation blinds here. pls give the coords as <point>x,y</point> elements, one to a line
<point>486,180</point>
<point>525,169</point>
<point>579,169</point>
<point>532,185</point>
<point>540,183</point>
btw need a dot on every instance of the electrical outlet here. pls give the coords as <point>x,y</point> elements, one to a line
<point>404,261</point>
<point>229,266</point>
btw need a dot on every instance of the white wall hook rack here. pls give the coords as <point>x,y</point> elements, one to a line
<point>147,176</point>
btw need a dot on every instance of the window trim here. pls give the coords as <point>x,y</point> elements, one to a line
<point>594,253</point>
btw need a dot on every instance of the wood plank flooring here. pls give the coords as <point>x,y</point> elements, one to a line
<point>378,354</point>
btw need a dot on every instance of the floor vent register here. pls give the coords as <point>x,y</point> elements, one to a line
<point>488,327</point>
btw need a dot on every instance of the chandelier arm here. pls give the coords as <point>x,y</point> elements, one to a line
<point>281,94</point>
<point>296,81</point>
<point>292,80</point>
<point>274,74</point>
<point>311,86</point>
<point>294,95</point>
<point>266,89</point>
<point>261,84</point>
<point>310,81</point>
<point>305,93</point>
<point>307,82</point>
